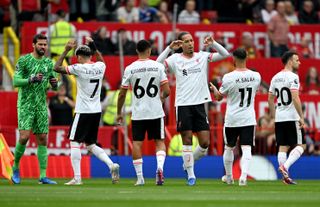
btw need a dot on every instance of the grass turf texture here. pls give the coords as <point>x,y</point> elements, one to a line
<point>100,192</point>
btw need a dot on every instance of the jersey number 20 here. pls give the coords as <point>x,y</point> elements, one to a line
<point>139,91</point>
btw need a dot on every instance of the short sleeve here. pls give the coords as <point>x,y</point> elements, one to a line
<point>126,79</point>
<point>75,69</point>
<point>169,63</point>
<point>272,88</point>
<point>225,86</point>
<point>163,76</point>
<point>294,83</point>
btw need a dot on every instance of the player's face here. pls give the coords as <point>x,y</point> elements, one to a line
<point>295,62</point>
<point>188,44</point>
<point>40,47</point>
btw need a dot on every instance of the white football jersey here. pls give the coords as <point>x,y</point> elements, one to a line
<point>191,77</point>
<point>89,80</point>
<point>281,86</point>
<point>240,87</point>
<point>146,78</point>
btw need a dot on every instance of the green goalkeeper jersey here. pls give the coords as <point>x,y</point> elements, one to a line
<point>32,96</point>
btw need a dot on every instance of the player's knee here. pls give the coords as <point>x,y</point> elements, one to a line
<point>90,147</point>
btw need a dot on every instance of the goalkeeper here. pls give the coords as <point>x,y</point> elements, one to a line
<point>33,74</point>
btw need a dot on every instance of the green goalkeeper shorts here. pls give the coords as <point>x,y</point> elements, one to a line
<point>36,120</point>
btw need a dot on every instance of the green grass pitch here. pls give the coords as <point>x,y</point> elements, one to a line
<point>207,192</point>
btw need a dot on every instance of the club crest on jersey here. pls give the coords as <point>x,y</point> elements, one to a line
<point>184,72</point>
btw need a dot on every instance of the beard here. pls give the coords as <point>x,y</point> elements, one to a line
<point>40,52</point>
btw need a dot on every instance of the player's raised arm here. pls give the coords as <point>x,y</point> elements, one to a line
<point>221,53</point>
<point>174,45</point>
<point>93,48</point>
<point>58,66</point>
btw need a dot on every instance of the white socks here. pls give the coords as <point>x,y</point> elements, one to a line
<point>199,152</point>
<point>138,168</point>
<point>100,154</point>
<point>188,161</point>
<point>282,158</point>
<point>245,160</point>
<point>228,158</point>
<point>161,156</point>
<point>293,156</point>
<point>76,159</point>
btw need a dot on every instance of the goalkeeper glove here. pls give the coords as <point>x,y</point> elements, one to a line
<point>53,82</point>
<point>35,78</point>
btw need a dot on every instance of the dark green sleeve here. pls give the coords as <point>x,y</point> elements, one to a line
<point>18,80</point>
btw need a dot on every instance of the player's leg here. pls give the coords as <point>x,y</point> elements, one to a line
<point>201,126</point>
<point>281,142</point>
<point>230,137</point>
<point>157,132</point>
<point>296,139</point>
<point>18,153</point>
<point>184,126</point>
<point>247,137</point>
<point>139,128</point>
<point>40,128</point>
<point>138,161</point>
<point>75,155</point>
<point>75,151</point>
<point>25,119</point>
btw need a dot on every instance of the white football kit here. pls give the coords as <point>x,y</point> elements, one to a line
<point>281,86</point>
<point>146,78</point>
<point>89,81</point>
<point>240,87</point>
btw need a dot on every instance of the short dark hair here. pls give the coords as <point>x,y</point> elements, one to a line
<point>181,34</point>
<point>83,50</point>
<point>143,45</point>
<point>240,53</point>
<point>39,37</point>
<point>287,55</point>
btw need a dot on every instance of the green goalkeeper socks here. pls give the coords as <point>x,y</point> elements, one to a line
<point>43,160</point>
<point>18,154</point>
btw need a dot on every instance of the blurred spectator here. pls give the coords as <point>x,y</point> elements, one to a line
<point>308,14</point>
<point>82,10</point>
<point>249,9</point>
<point>290,13</point>
<point>248,45</point>
<point>103,42</point>
<point>105,10</point>
<point>268,12</point>
<point>60,33</point>
<point>278,29</point>
<point>147,13</point>
<point>154,48</point>
<point>128,13</point>
<point>129,46</point>
<point>154,3</point>
<point>312,82</point>
<point>165,16</point>
<point>229,10</point>
<point>55,6</point>
<point>28,11</point>
<point>61,106</point>
<point>303,48</point>
<point>189,15</point>
<point>265,135</point>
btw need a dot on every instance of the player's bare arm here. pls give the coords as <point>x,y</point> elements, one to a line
<point>121,100</point>
<point>297,105</point>
<point>89,41</point>
<point>272,109</point>
<point>58,66</point>
<point>165,91</point>
<point>217,95</point>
